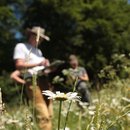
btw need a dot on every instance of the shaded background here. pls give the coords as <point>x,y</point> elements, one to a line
<point>98,31</point>
<point>95,30</point>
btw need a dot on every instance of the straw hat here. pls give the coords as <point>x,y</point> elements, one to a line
<point>41,31</point>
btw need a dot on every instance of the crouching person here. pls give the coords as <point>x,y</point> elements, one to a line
<point>82,78</point>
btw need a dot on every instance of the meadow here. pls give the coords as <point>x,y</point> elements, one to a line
<point>109,110</point>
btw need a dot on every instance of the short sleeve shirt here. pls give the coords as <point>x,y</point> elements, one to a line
<point>28,53</point>
<point>80,71</point>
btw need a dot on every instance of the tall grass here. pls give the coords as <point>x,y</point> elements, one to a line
<point>110,109</point>
<point>112,112</point>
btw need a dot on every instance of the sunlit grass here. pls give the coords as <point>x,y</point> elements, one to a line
<point>107,112</point>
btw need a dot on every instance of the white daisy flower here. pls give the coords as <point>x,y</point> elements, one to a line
<point>91,113</point>
<point>66,128</point>
<point>71,96</point>
<point>92,107</point>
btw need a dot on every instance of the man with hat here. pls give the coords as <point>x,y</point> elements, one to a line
<point>29,58</point>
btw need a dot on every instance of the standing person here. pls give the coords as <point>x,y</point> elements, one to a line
<point>27,56</point>
<point>79,72</point>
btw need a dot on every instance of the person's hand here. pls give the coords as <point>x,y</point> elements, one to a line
<point>44,63</point>
<point>81,77</point>
<point>47,63</point>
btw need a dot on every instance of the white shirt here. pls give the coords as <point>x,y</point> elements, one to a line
<point>31,55</point>
<point>28,53</point>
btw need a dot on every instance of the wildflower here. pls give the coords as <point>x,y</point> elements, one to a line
<point>71,96</point>
<point>128,115</point>
<point>126,99</point>
<point>83,105</point>
<point>114,103</point>
<point>95,101</point>
<point>92,128</point>
<point>91,107</point>
<point>91,112</point>
<point>66,128</point>
<point>2,127</point>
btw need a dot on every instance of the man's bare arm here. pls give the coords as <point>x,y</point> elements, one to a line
<point>16,77</point>
<point>84,77</point>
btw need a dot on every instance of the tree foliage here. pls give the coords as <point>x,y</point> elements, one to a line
<point>92,29</point>
<point>8,23</point>
<point>98,31</point>
<point>105,26</point>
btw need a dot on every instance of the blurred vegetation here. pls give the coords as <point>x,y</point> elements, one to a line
<point>98,31</point>
<point>95,30</point>
<point>110,110</point>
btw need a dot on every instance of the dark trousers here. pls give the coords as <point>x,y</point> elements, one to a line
<point>82,89</point>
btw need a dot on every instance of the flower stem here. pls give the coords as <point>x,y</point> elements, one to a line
<point>67,115</point>
<point>68,111</point>
<point>21,96</point>
<point>79,123</point>
<point>59,118</point>
<point>34,83</point>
